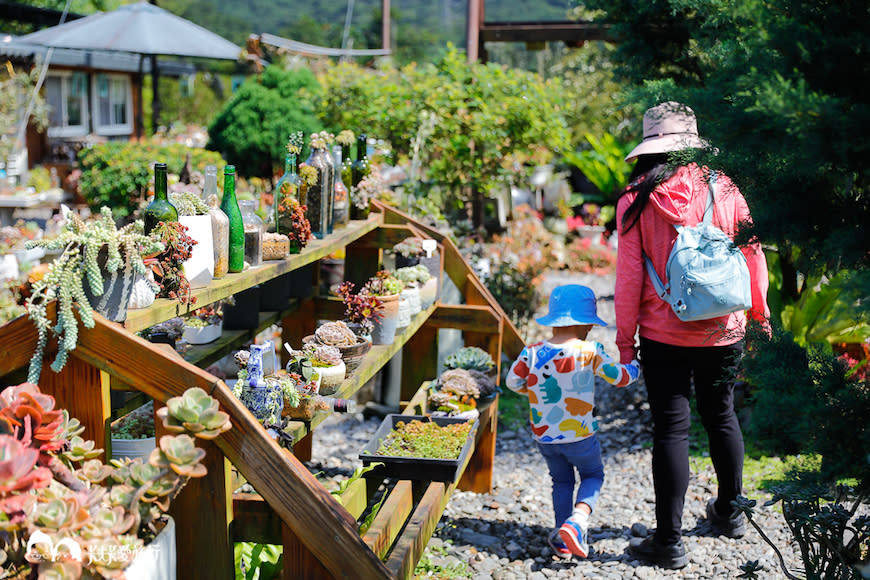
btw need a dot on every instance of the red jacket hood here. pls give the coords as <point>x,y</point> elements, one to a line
<point>683,197</point>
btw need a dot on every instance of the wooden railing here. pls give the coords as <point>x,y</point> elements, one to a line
<point>319,534</point>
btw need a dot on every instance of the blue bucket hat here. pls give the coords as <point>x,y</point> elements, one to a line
<point>571,305</point>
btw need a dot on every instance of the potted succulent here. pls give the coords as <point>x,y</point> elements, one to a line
<point>132,435</point>
<point>168,265</point>
<point>326,360</point>
<point>461,392</point>
<point>470,358</point>
<point>59,499</point>
<point>95,271</point>
<point>388,289</point>
<point>427,283</point>
<point>360,309</point>
<point>408,251</point>
<point>411,276</point>
<point>352,347</point>
<point>193,214</point>
<point>204,325</point>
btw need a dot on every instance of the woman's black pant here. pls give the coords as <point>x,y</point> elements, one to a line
<point>669,372</point>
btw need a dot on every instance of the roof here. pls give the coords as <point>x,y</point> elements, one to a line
<point>14,49</point>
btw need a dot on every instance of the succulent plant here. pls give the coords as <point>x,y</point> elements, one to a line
<point>383,284</point>
<point>81,243</point>
<point>335,334</point>
<point>360,308</point>
<point>410,247</point>
<point>188,203</point>
<point>470,358</point>
<point>195,412</point>
<point>53,486</point>
<point>418,274</point>
<point>459,382</point>
<point>322,355</point>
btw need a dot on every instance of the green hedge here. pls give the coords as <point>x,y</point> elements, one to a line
<point>117,174</point>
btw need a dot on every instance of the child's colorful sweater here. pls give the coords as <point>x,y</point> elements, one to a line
<point>559,380</point>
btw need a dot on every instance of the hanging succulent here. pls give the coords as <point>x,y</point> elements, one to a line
<point>79,263</point>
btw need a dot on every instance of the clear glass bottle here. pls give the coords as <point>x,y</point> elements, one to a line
<point>254,229</point>
<point>319,212</point>
<point>160,209</point>
<point>230,207</point>
<point>287,188</point>
<point>341,203</point>
<point>220,223</point>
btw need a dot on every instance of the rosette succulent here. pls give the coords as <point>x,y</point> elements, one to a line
<point>195,412</point>
<point>470,358</point>
<point>52,484</point>
<point>335,333</point>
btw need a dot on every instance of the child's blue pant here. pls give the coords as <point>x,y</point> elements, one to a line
<point>562,459</point>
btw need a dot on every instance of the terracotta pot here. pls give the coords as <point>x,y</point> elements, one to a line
<point>384,331</point>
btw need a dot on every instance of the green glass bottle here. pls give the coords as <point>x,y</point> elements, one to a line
<point>160,209</point>
<point>360,166</point>
<point>230,206</point>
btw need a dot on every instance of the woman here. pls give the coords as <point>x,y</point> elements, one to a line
<point>674,354</point>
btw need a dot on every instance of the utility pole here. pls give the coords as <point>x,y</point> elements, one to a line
<point>385,24</point>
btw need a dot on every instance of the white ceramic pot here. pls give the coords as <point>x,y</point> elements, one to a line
<point>412,295</point>
<point>203,334</point>
<point>331,378</point>
<point>133,448</point>
<point>199,268</point>
<point>157,560</point>
<point>429,293</point>
<point>404,312</point>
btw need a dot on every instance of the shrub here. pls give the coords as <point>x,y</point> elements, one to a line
<point>252,129</point>
<point>117,174</point>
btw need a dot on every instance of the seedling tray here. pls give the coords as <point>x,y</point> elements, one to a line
<point>417,468</point>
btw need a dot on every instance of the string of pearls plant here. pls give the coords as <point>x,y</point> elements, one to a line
<point>81,243</point>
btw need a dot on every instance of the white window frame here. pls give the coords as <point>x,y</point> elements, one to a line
<point>112,129</point>
<point>66,130</point>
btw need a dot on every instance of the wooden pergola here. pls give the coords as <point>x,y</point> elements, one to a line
<point>479,32</point>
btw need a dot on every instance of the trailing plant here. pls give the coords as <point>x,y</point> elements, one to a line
<point>168,265</point>
<point>55,490</point>
<point>80,263</point>
<point>470,358</point>
<point>360,308</point>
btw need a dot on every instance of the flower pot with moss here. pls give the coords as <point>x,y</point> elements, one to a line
<point>388,289</point>
<point>418,447</point>
<point>133,434</point>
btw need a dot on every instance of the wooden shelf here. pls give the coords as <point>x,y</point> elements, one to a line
<point>163,309</point>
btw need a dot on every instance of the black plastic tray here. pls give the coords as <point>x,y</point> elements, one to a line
<point>417,468</point>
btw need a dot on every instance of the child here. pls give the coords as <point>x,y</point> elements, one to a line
<point>558,376</point>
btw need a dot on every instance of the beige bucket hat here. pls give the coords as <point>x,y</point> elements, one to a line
<point>668,127</point>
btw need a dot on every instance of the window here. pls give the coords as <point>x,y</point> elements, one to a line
<point>67,97</point>
<point>113,105</point>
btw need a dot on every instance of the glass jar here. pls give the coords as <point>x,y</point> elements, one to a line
<point>341,204</point>
<point>286,189</point>
<point>220,223</point>
<point>254,229</point>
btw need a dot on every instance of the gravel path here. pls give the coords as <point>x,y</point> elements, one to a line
<point>502,535</point>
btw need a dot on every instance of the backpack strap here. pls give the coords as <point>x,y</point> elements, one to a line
<point>711,200</point>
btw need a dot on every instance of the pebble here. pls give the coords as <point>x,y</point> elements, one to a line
<point>502,535</point>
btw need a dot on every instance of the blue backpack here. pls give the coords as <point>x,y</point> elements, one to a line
<point>707,275</point>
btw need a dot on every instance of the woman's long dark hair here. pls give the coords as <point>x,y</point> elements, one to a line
<point>648,172</point>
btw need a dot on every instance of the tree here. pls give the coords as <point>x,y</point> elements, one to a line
<point>251,131</point>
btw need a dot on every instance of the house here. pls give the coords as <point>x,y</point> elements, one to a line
<point>93,96</point>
